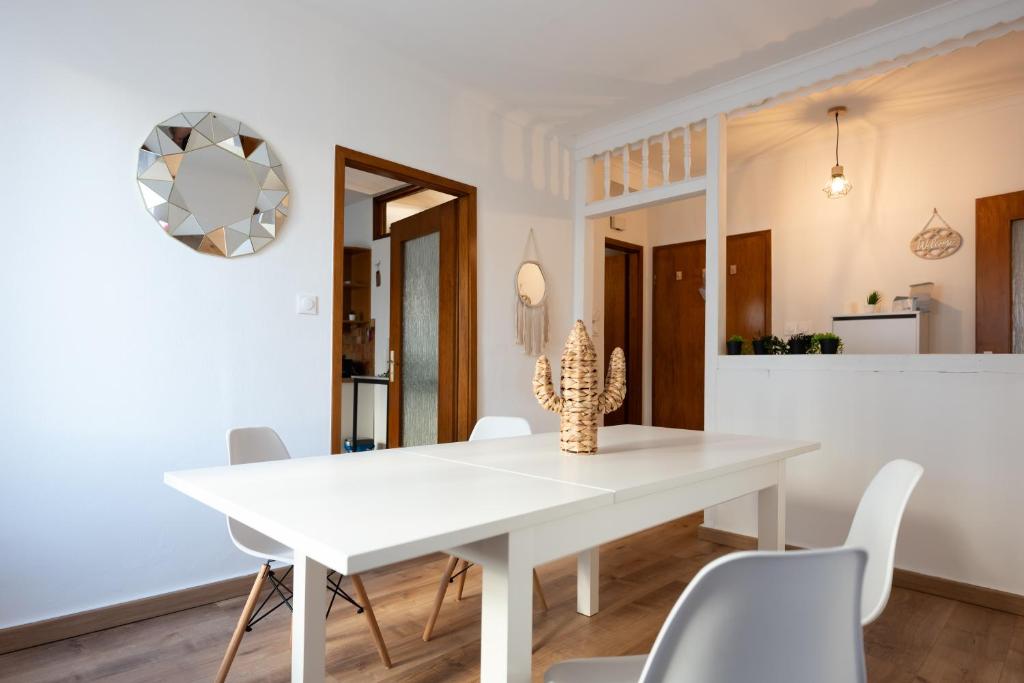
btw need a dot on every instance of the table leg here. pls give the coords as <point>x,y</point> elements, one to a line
<point>771,514</point>
<point>506,629</point>
<point>309,623</point>
<point>588,579</point>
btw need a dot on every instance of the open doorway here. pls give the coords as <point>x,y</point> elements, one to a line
<point>403,352</point>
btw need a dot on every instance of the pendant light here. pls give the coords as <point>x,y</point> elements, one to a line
<point>838,185</point>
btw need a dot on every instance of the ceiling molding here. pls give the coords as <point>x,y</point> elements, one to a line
<point>956,24</point>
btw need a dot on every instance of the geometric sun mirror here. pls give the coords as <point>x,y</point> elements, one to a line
<point>213,184</point>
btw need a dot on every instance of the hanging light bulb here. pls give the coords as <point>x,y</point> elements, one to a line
<point>838,185</point>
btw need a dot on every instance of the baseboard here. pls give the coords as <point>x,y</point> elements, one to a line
<point>903,578</point>
<point>80,623</point>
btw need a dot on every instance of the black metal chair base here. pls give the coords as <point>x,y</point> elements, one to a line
<point>285,594</point>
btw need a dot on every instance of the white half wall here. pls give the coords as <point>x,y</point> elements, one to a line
<point>958,416</point>
<point>127,355</point>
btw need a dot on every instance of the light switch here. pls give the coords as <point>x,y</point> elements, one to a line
<point>679,275</point>
<point>307,304</point>
<point>732,269</point>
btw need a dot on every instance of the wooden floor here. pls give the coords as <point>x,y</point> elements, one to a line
<point>919,638</point>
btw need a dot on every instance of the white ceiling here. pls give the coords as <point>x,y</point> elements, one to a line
<point>967,78</point>
<point>575,64</point>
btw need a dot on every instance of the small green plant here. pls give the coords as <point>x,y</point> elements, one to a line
<point>773,346</point>
<point>826,337</point>
<point>735,338</point>
<point>874,297</point>
<point>799,343</point>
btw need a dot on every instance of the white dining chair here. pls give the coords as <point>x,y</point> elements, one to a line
<point>770,617</point>
<point>248,445</point>
<point>875,527</point>
<point>489,427</point>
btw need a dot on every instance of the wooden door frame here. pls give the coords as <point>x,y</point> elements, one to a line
<point>465,314</point>
<point>635,324</point>
<point>993,286</point>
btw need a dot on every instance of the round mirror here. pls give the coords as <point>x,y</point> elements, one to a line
<point>213,184</point>
<point>530,285</point>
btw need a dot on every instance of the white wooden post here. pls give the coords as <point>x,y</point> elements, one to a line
<point>583,271</point>
<point>309,625</point>
<point>714,308</point>
<point>607,175</point>
<point>664,158</point>
<point>771,514</point>
<point>506,628</point>
<point>625,169</point>
<point>645,162</point>
<point>588,580</point>
<point>686,152</point>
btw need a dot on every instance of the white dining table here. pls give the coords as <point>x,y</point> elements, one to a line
<point>522,503</point>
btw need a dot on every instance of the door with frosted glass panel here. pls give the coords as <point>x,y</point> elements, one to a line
<point>422,339</point>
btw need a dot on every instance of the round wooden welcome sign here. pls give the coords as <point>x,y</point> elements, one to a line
<point>936,239</point>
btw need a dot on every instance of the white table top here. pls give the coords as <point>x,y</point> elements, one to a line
<point>631,461</point>
<point>359,511</point>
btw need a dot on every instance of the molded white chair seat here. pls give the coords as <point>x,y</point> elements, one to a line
<point>876,526</point>
<point>764,617</point>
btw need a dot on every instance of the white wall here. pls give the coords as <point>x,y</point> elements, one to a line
<point>827,255</point>
<point>958,416</point>
<point>126,354</point>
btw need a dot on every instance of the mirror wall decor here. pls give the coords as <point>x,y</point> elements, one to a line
<point>213,184</point>
<point>531,301</point>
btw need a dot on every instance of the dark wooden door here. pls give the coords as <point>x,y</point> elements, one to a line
<point>422,337</point>
<point>993,290</point>
<point>677,378</point>
<point>678,319</point>
<point>748,300</point>
<point>623,323</point>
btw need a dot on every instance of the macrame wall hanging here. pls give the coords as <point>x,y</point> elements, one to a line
<point>531,293</point>
<point>936,239</point>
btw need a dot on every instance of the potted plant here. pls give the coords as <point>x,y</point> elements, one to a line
<point>799,343</point>
<point>826,342</point>
<point>873,298</point>
<point>769,345</point>
<point>734,345</point>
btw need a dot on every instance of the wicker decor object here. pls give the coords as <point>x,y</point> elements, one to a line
<point>581,401</point>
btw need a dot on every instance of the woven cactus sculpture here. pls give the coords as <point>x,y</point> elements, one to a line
<point>580,402</point>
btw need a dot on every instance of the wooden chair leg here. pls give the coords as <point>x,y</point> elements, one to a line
<point>371,619</point>
<point>462,579</point>
<point>243,621</point>
<point>442,588</point>
<point>540,591</point>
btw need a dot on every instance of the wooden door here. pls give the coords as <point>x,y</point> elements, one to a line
<point>677,378</point>
<point>678,319</point>
<point>748,304</point>
<point>623,323</point>
<point>993,290</point>
<point>422,335</point>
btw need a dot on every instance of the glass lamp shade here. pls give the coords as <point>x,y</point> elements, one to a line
<point>838,186</point>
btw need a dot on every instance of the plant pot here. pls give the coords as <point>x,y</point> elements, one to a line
<point>798,346</point>
<point>758,346</point>
<point>734,348</point>
<point>830,346</point>
<point>870,308</point>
